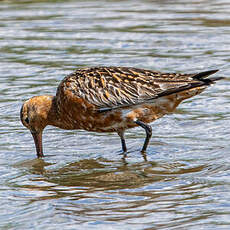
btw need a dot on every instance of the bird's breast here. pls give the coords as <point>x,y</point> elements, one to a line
<point>117,119</point>
<point>79,114</point>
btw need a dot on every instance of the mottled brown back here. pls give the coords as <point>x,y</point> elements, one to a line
<point>113,87</point>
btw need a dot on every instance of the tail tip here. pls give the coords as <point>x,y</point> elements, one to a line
<point>205,74</point>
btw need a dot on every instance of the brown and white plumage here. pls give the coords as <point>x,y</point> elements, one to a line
<point>111,99</point>
<point>115,87</point>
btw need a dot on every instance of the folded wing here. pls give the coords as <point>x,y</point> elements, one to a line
<point>111,88</point>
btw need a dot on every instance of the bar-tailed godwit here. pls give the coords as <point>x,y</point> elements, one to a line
<point>111,99</point>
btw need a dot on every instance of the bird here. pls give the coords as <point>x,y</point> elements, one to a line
<point>111,99</point>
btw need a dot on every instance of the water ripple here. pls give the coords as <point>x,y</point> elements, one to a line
<point>183,180</point>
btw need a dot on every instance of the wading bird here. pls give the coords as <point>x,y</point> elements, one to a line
<point>111,99</point>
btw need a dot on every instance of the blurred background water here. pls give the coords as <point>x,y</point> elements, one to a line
<point>85,182</point>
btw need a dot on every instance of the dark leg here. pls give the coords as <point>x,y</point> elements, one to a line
<point>121,134</point>
<point>144,156</point>
<point>148,130</point>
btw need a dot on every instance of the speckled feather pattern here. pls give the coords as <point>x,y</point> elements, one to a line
<point>112,87</point>
<point>109,99</point>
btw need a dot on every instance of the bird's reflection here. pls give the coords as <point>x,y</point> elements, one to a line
<point>88,176</point>
<point>89,171</point>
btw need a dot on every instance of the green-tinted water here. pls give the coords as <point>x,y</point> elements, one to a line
<point>85,182</point>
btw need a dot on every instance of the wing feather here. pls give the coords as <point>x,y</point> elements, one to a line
<point>113,87</point>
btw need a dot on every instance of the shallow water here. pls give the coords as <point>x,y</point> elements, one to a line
<point>85,182</point>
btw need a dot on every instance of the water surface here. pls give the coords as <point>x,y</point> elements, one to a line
<point>85,182</point>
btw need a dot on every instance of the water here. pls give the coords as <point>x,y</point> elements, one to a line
<point>85,182</point>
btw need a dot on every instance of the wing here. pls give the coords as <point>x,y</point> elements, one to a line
<point>114,87</point>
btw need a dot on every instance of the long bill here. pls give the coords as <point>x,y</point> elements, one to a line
<point>38,143</point>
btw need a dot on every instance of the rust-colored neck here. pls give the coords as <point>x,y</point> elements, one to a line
<point>58,118</point>
<point>53,117</point>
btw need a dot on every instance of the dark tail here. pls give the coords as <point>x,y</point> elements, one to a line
<point>203,77</point>
<point>200,80</point>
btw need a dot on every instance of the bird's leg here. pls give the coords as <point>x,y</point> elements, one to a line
<point>148,130</point>
<point>121,134</point>
<point>144,155</point>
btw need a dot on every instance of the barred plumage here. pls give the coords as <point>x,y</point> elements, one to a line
<point>114,87</point>
<point>111,99</point>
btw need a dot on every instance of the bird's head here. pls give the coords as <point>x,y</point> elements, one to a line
<point>35,116</point>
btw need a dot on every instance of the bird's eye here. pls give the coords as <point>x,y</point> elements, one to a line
<point>27,120</point>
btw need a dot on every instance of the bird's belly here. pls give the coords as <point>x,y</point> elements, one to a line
<point>125,118</point>
<point>150,112</point>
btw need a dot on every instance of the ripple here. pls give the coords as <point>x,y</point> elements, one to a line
<point>183,180</point>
